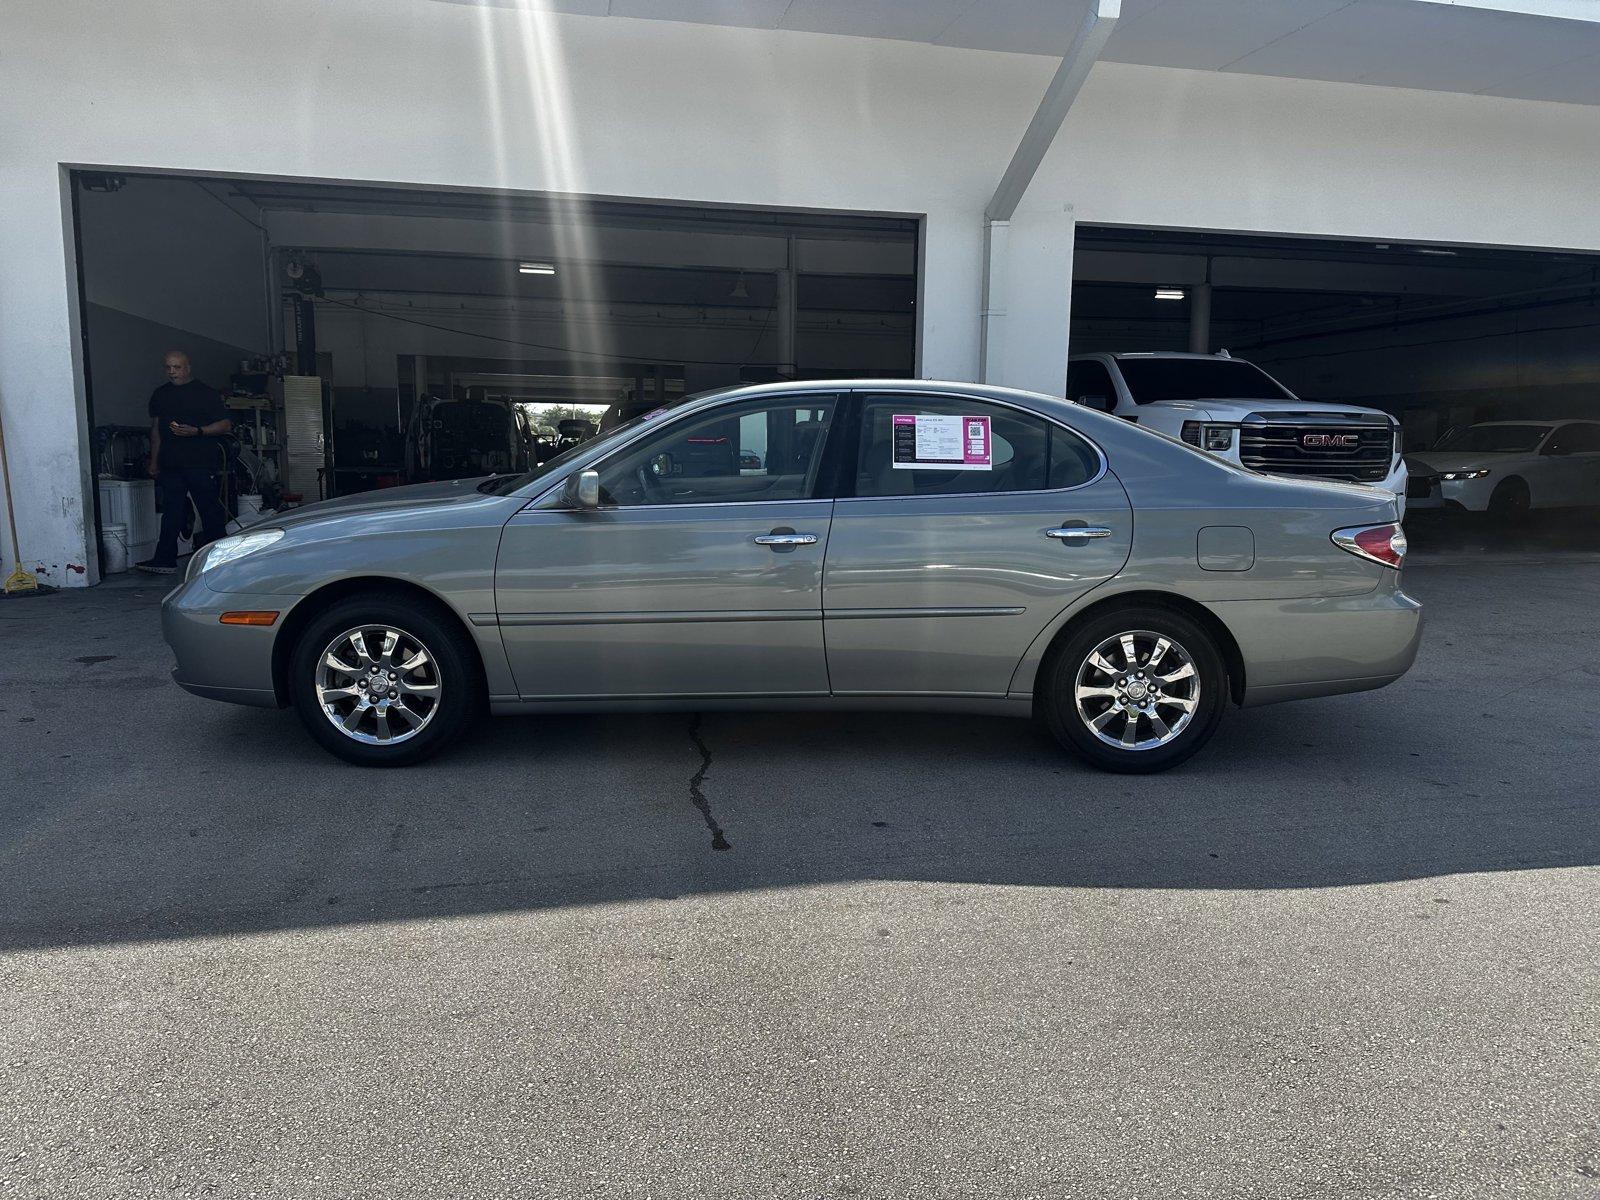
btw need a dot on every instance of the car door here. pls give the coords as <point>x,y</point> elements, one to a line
<point>1570,465</point>
<point>969,526</point>
<point>699,575</point>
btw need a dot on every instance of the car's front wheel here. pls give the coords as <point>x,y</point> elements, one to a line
<point>1135,690</point>
<point>383,681</point>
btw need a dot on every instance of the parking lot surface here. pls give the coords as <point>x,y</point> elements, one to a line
<point>1349,950</point>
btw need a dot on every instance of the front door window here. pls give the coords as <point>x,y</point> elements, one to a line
<point>754,453</point>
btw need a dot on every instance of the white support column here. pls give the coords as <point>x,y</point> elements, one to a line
<point>991,321</point>
<point>949,275</point>
<point>1029,342</point>
<point>1025,349</point>
<point>41,393</point>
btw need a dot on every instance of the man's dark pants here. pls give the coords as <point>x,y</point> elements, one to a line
<point>176,486</point>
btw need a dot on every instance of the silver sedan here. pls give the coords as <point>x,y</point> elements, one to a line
<point>880,544</point>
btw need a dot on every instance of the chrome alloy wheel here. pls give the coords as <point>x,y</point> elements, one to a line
<point>379,686</point>
<point>1137,690</point>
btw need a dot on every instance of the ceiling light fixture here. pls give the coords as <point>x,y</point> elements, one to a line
<point>1169,293</point>
<point>535,269</point>
<point>1439,253</point>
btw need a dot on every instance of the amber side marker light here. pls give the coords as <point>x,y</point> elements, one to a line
<point>248,618</point>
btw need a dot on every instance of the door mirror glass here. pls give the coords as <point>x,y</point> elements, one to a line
<point>586,490</point>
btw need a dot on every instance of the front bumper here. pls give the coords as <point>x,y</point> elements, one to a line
<point>217,661</point>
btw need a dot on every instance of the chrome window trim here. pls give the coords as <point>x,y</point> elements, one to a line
<point>1105,465</point>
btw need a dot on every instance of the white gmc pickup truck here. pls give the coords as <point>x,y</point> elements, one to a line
<point>1237,411</point>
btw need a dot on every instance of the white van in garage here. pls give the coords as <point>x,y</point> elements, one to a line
<point>1237,411</point>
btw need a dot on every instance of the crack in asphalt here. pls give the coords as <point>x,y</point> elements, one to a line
<point>719,840</point>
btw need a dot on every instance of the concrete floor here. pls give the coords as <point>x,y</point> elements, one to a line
<point>1350,950</point>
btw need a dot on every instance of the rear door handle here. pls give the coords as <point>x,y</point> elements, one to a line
<point>786,539</point>
<point>1078,533</point>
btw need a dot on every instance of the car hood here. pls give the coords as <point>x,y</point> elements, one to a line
<point>1225,409</point>
<point>1434,461</point>
<point>385,501</point>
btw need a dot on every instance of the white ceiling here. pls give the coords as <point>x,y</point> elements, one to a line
<point>1530,49</point>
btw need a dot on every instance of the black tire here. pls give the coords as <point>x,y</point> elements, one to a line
<point>1073,729</point>
<point>1510,501</point>
<point>452,666</point>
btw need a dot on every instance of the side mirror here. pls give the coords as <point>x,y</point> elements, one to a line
<point>586,492</point>
<point>1104,403</point>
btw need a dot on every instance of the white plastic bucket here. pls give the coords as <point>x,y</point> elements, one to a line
<point>249,508</point>
<point>114,544</point>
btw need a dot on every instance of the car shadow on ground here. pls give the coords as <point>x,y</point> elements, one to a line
<point>548,811</point>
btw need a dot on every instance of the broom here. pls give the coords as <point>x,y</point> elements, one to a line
<point>19,580</point>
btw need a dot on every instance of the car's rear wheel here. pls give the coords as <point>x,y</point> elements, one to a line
<point>383,681</point>
<point>1135,690</point>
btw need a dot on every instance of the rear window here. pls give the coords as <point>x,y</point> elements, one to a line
<point>1151,380</point>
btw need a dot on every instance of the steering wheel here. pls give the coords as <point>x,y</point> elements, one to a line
<point>648,487</point>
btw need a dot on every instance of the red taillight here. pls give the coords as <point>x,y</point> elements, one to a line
<point>1384,544</point>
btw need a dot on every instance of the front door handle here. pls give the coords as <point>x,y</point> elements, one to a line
<point>1078,533</point>
<point>786,539</point>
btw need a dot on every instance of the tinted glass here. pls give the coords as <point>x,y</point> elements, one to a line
<point>910,446</point>
<point>1495,439</point>
<point>1154,379</point>
<point>1089,379</point>
<point>757,451</point>
<point>1576,439</point>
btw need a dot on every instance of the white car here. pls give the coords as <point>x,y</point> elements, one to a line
<point>1510,467</point>
<point>1238,412</point>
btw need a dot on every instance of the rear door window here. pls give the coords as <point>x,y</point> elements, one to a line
<point>914,445</point>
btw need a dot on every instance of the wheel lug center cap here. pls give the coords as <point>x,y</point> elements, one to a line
<point>1138,689</point>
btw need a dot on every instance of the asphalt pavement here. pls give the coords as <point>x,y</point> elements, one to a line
<point>1349,950</point>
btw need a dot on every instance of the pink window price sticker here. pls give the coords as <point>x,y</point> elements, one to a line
<point>941,443</point>
<point>976,451</point>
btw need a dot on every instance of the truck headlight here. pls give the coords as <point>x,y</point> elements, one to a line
<point>1207,436</point>
<point>1464,474</point>
<point>230,549</point>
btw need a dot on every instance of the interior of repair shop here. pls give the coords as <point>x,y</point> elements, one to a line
<point>362,337</point>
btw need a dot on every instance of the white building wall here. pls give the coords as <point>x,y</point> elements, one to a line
<point>415,91</point>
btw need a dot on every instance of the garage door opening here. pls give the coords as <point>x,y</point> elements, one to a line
<point>363,337</point>
<point>1488,358</point>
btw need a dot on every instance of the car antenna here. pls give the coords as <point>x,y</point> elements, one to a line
<point>1223,354</point>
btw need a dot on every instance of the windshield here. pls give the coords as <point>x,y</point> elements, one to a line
<point>504,485</point>
<point>1151,380</point>
<point>1495,439</point>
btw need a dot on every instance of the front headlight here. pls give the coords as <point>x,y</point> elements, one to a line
<point>1215,438</point>
<point>230,549</point>
<point>1453,475</point>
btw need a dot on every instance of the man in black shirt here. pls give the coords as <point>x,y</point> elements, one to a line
<point>186,417</point>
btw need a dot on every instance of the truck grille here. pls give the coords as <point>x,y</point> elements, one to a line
<point>1317,448</point>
